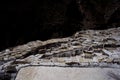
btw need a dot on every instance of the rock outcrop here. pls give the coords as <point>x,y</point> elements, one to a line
<point>87,48</point>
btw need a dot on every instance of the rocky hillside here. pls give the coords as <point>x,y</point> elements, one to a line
<point>86,48</point>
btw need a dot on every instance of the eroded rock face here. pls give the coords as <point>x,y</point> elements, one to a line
<point>88,48</point>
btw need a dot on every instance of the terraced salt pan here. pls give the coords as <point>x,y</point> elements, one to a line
<point>67,73</point>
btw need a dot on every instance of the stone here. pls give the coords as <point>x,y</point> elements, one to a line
<point>106,52</point>
<point>11,69</point>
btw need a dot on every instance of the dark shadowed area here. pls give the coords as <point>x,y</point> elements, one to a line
<point>28,20</point>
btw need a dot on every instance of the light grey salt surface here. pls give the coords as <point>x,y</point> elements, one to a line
<point>68,73</point>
